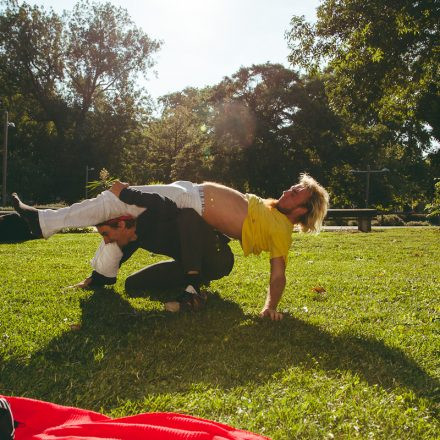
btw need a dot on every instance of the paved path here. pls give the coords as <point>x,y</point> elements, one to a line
<point>355,228</point>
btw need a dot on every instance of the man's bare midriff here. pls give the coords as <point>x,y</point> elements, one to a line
<point>225,209</point>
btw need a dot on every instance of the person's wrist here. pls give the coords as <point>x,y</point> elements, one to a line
<point>269,307</point>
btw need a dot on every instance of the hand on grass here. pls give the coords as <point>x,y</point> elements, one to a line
<point>272,314</point>
<point>117,187</point>
<point>84,284</point>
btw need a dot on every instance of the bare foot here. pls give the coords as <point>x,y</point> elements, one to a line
<point>29,214</point>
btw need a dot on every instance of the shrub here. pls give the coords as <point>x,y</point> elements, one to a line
<point>84,230</point>
<point>389,220</point>
<point>335,222</point>
<point>434,207</point>
<point>414,217</point>
<point>97,186</point>
<point>417,223</point>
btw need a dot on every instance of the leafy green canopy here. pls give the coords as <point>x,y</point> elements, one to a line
<point>383,58</point>
<point>73,78</point>
<point>256,131</point>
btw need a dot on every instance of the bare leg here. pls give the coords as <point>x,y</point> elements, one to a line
<point>28,214</point>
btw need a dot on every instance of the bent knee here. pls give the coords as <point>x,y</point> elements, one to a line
<point>134,286</point>
<point>223,265</point>
<point>229,262</point>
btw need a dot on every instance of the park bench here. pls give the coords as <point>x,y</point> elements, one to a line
<point>363,216</point>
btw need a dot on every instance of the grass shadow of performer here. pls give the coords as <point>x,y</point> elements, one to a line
<point>121,352</point>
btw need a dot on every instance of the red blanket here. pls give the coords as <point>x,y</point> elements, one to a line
<point>46,421</point>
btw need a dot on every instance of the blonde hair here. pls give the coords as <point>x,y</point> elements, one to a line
<point>317,205</point>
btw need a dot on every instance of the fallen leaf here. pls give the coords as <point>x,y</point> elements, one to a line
<point>319,289</point>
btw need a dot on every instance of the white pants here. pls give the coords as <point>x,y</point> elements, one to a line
<point>107,206</point>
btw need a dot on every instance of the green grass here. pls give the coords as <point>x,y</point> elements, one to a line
<point>360,360</point>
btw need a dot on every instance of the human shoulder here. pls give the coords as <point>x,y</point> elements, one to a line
<point>252,198</point>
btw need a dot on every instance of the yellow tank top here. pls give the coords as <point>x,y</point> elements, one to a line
<point>265,229</point>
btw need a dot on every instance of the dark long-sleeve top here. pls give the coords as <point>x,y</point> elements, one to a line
<point>156,228</point>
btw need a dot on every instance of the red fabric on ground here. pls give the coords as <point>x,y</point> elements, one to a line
<point>47,421</point>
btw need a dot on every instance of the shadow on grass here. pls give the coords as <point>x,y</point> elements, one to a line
<point>123,353</point>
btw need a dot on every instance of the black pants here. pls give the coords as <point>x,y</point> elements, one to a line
<point>202,249</point>
<point>13,229</point>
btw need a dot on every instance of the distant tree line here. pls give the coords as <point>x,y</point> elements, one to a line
<point>367,95</point>
<point>69,83</point>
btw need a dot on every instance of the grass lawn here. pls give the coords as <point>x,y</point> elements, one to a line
<point>358,360</point>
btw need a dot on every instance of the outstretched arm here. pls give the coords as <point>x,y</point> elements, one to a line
<point>106,263</point>
<point>276,288</point>
<point>95,280</point>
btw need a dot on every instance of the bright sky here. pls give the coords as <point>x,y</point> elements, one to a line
<point>205,40</point>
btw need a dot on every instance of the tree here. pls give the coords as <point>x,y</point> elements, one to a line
<point>78,73</point>
<point>105,52</point>
<point>381,64</point>
<point>277,125</point>
<point>383,60</point>
<point>32,59</point>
